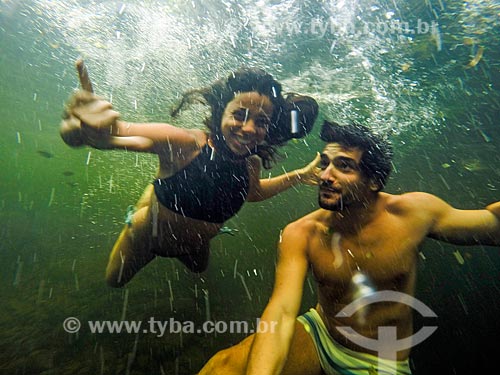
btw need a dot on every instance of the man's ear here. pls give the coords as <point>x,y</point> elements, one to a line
<point>374,186</point>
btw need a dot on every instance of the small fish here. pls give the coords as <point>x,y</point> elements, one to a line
<point>476,58</point>
<point>459,257</point>
<point>45,154</point>
<point>472,165</point>
<point>68,173</point>
<point>469,41</point>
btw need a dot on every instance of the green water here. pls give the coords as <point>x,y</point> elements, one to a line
<point>62,209</point>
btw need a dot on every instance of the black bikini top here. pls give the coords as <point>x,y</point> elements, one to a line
<point>213,187</point>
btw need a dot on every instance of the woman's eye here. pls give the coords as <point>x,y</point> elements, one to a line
<point>239,115</point>
<point>263,123</point>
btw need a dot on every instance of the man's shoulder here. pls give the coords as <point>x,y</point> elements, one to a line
<point>307,224</point>
<point>400,203</point>
<point>297,235</point>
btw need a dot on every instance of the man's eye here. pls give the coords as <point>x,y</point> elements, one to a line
<point>344,166</point>
<point>323,164</point>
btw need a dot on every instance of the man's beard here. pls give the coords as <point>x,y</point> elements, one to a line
<point>329,204</point>
<point>338,205</point>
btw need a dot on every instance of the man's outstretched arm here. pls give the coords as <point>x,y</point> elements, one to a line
<point>462,227</point>
<point>270,348</point>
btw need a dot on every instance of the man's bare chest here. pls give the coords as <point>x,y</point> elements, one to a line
<point>387,253</point>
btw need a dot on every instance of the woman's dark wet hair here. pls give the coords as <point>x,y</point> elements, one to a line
<point>377,151</point>
<point>219,94</point>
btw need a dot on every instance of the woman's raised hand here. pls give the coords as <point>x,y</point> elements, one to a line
<point>88,120</point>
<point>309,175</point>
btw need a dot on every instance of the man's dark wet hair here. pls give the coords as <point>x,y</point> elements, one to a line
<point>219,94</point>
<point>377,154</point>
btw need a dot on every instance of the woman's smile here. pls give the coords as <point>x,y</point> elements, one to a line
<point>245,121</point>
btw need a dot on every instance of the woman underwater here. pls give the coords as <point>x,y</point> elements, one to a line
<point>204,176</point>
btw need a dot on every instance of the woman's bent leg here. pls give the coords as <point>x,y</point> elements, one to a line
<point>132,251</point>
<point>197,259</point>
<point>156,231</point>
<point>185,239</point>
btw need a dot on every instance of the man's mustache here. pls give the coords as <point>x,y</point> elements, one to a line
<point>328,185</point>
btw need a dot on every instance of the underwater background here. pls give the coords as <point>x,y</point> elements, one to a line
<point>426,73</point>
